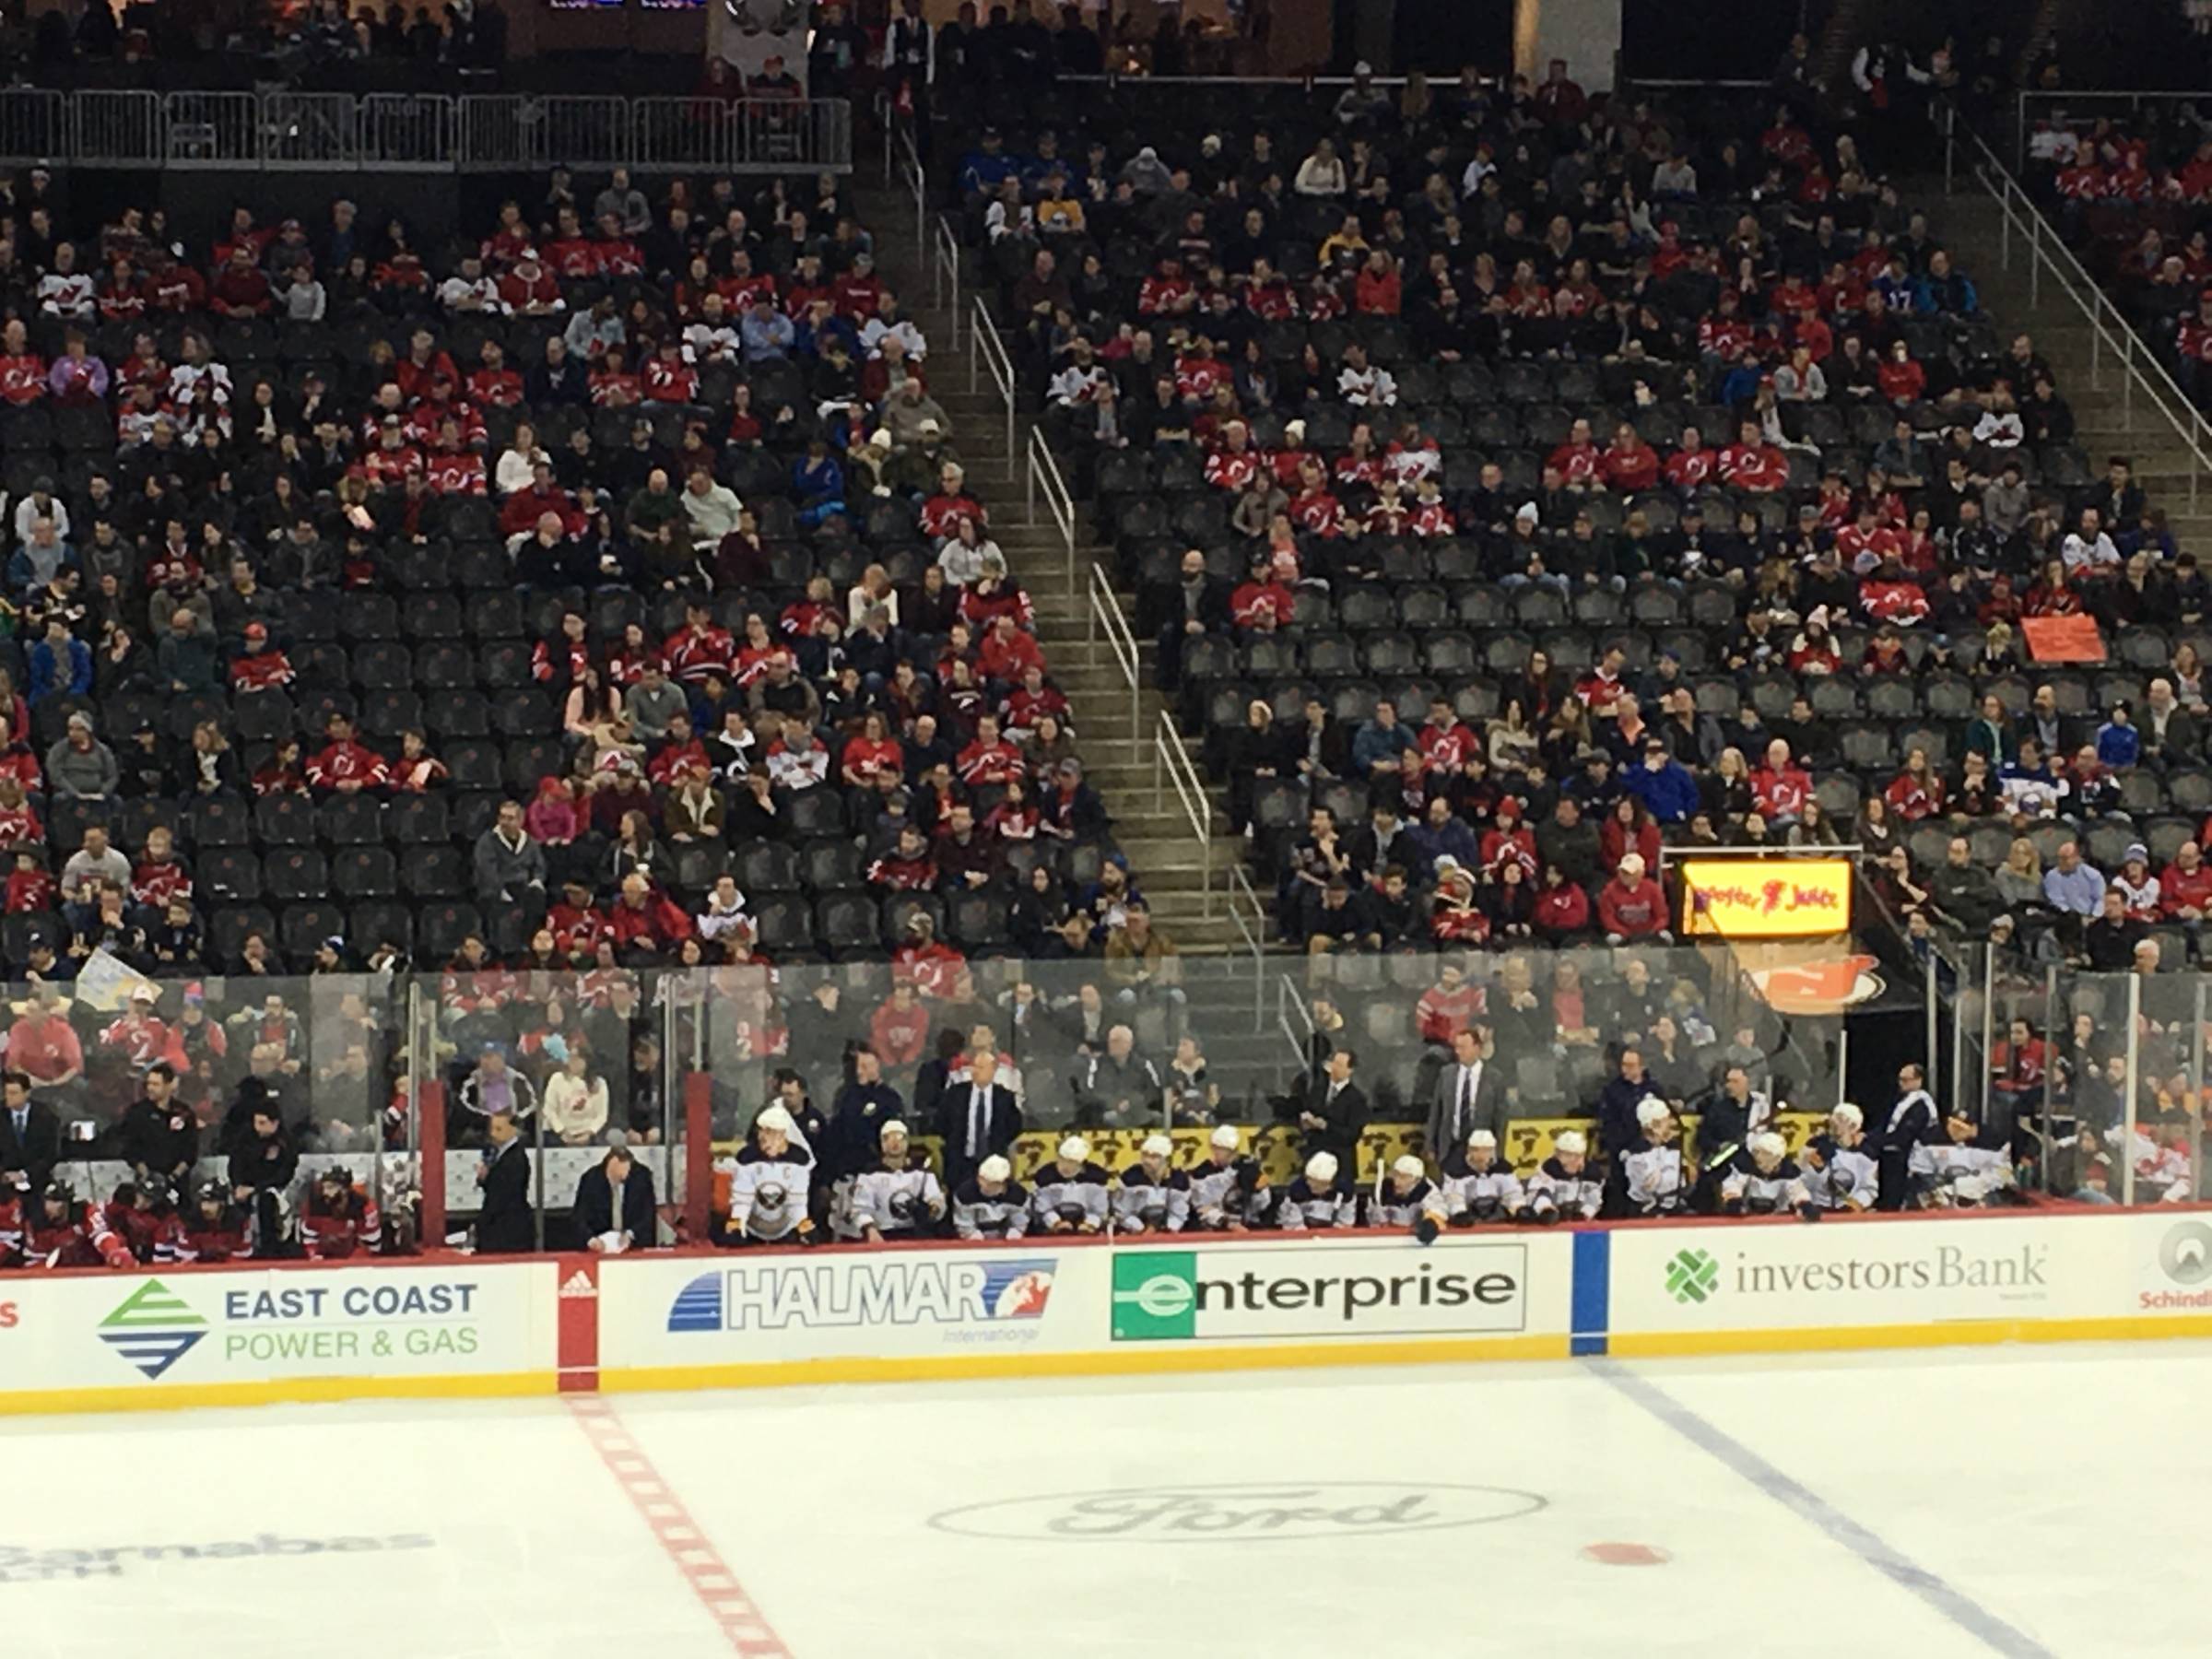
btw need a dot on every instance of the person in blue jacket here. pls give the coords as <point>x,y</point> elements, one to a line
<point>2119,739</point>
<point>1666,788</point>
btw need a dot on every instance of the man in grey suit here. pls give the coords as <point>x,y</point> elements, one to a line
<point>1468,1098</point>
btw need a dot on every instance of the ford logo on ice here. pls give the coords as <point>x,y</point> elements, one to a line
<point>1230,1515</point>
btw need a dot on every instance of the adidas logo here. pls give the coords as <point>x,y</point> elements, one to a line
<point>579,1287</point>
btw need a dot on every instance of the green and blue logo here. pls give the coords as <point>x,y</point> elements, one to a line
<point>153,1328</point>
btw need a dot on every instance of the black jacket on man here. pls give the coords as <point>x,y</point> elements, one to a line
<point>594,1210</point>
<point>504,1225</point>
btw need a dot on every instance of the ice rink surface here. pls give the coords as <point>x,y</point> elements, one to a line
<point>2018,1501</point>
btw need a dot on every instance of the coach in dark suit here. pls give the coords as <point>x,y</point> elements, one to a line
<point>31,1132</point>
<point>1332,1110</point>
<point>505,1223</point>
<point>1468,1097</point>
<point>598,1205</point>
<point>976,1119</point>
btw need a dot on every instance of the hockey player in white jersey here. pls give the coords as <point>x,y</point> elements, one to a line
<point>1762,1180</point>
<point>1070,1194</point>
<point>1655,1179</point>
<point>1838,1166</point>
<point>1478,1187</point>
<point>1407,1198</point>
<point>899,1198</point>
<point>1962,1170</point>
<point>1322,1197</point>
<point>1563,1188</point>
<point>991,1204</point>
<point>1153,1197</point>
<point>769,1185</point>
<point>1228,1191</point>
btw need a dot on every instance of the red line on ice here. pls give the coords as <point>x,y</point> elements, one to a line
<point>688,1549</point>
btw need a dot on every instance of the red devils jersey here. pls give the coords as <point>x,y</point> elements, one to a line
<point>903,875</point>
<point>149,1238</point>
<point>1440,1013</point>
<point>1452,746</point>
<point>348,763</point>
<point>941,514</point>
<point>1157,294</point>
<point>693,653</point>
<point>495,388</point>
<point>333,1231</point>
<point>1227,469</point>
<point>260,671</point>
<point>221,1240</point>
<point>1578,462</point>
<point>1755,466</point>
<point>1781,794</point>
<point>23,379</point>
<point>1900,602</point>
<point>560,662</point>
<point>81,1239</point>
<point>990,763</point>
<point>670,383</point>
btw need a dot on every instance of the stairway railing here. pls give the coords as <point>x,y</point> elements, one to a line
<point>985,349</point>
<point>1251,927</point>
<point>1106,616</point>
<point>1044,480</point>
<point>2111,331</point>
<point>943,259</point>
<point>1290,1000</point>
<point>1172,764</point>
<point>902,158</point>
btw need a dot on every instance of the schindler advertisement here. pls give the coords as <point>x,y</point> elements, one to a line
<point>1294,1290</point>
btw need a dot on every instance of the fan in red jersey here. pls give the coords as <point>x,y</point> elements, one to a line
<point>344,766</point>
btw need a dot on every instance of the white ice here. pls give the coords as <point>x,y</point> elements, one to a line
<point>2051,1498</point>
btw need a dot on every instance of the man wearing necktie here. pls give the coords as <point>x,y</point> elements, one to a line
<point>1334,1111</point>
<point>1466,1097</point>
<point>31,1132</point>
<point>976,1119</point>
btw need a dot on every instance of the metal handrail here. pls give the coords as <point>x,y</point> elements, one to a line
<point>1043,474</point>
<point>944,273</point>
<point>1290,998</point>
<point>1172,763</point>
<point>2108,326</point>
<point>1106,612</point>
<point>908,160</point>
<point>1253,931</point>
<point>984,347</point>
<point>288,129</point>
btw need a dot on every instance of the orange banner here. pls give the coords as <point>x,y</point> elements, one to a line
<point>2063,639</point>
